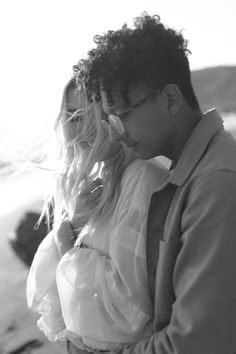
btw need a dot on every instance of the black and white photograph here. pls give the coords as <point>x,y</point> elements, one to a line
<point>117,177</point>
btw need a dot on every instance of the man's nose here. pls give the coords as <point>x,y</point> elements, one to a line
<point>114,136</point>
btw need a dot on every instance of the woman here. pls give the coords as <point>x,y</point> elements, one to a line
<point>89,278</point>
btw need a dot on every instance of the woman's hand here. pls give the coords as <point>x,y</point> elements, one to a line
<point>88,198</point>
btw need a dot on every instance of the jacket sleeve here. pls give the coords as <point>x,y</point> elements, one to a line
<point>203,316</point>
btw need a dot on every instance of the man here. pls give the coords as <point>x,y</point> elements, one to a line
<point>142,77</point>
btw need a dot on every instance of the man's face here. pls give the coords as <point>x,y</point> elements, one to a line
<point>147,128</point>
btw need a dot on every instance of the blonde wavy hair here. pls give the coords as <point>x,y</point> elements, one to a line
<point>76,165</point>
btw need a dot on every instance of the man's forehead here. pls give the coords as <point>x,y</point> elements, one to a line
<point>135,93</point>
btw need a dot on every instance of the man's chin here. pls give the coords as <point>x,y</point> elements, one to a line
<point>139,152</point>
<point>143,155</point>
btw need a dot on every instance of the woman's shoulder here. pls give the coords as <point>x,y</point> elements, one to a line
<point>140,180</point>
<point>146,171</point>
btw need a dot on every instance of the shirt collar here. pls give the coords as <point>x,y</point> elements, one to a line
<point>208,126</point>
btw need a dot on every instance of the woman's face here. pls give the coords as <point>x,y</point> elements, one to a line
<point>108,148</point>
<point>74,122</point>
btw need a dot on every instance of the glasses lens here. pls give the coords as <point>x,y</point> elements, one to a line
<point>116,123</point>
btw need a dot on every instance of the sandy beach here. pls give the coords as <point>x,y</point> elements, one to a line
<point>18,329</point>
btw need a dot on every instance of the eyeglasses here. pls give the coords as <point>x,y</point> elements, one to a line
<point>115,120</point>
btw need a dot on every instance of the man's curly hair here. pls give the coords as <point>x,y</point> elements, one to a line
<point>149,53</point>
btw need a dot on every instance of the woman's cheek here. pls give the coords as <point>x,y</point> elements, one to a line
<point>70,133</point>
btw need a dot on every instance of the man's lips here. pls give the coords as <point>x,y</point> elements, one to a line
<point>128,145</point>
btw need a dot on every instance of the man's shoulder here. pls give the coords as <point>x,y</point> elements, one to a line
<point>220,155</point>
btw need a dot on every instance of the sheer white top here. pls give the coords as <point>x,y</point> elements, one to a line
<point>97,295</point>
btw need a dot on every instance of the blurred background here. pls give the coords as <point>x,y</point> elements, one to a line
<point>40,42</point>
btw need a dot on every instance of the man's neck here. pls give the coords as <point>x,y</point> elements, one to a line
<point>186,124</point>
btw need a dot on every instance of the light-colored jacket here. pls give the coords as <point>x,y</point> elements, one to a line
<point>194,286</point>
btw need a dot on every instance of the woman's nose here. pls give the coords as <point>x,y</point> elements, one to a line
<point>114,136</point>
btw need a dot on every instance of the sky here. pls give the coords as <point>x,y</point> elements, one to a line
<point>42,39</point>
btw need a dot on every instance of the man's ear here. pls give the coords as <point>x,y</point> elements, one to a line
<point>174,98</point>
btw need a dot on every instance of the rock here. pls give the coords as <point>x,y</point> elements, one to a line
<point>27,236</point>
